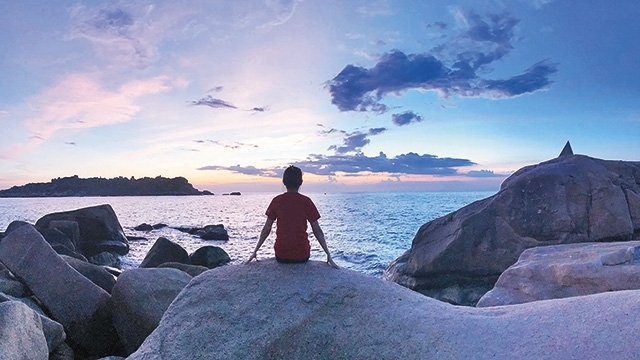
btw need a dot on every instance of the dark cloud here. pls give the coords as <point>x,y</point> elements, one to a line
<point>259,109</point>
<point>405,164</point>
<point>405,118</point>
<point>410,163</point>
<point>72,143</point>
<point>213,103</point>
<point>215,89</point>
<point>355,141</point>
<point>453,68</point>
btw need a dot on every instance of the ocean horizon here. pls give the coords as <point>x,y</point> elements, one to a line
<point>364,231</point>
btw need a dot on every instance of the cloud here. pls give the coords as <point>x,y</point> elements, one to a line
<point>405,164</point>
<point>282,10</point>
<point>213,103</point>
<point>376,8</point>
<point>410,163</point>
<point>405,118</point>
<point>235,145</point>
<point>245,170</point>
<point>456,70</point>
<point>79,101</point>
<point>352,142</point>
<point>484,174</point>
<point>117,34</point>
<point>72,143</point>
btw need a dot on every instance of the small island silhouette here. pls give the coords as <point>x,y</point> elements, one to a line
<point>74,186</point>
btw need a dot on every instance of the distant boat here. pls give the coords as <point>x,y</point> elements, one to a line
<point>236,193</point>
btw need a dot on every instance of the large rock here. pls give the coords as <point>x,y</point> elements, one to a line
<point>559,271</point>
<point>267,310</point>
<point>99,229</point>
<point>21,333</point>
<point>162,251</point>
<point>70,298</point>
<point>571,199</point>
<point>140,298</point>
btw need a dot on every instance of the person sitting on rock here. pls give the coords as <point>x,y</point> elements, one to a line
<point>292,210</point>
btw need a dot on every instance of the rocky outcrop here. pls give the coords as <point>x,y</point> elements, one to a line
<point>120,186</point>
<point>72,300</point>
<point>571,199</point>
<point>559,271</point>
<point>209,232</point>
<point>324,313</point>
<point>98,227</point>
<point>140,298</point>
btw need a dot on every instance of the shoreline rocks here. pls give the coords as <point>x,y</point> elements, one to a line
<point>572,199</point>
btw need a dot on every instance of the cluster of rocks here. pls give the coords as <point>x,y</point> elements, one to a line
<point>56,304</point>
<point>208,232</point>
<point>573,199</point>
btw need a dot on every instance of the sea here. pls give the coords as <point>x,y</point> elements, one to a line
<point>364,231</point>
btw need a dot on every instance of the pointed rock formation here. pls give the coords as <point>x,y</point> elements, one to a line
<point>566,150</point>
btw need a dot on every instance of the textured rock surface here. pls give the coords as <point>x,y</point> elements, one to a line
<point>21,333</point>
<point>98,226</point>
<point>162,251</point>
<point>209,256</point>
<point>71,299</point>
<point>570,199</point>
<point>267,310</point>
<point>139,298</point>
<point>559,271</point>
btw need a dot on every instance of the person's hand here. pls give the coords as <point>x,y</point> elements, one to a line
<point>254,255</point>
<point>331,263</point>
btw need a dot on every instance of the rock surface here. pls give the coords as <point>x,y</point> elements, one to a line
<point>209,256</point>
<point>99,229</point>
<point>71,299</point>
<point>21,333</point>
<point>571,199</point>
<point>162,251</point>
<point>140,298</point>
<point>559,271</point>
<point>267,310</point>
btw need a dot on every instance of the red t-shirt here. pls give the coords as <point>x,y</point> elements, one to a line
<point>291,211</point>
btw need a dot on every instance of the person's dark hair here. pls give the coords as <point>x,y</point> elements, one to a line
<point>292,177</point>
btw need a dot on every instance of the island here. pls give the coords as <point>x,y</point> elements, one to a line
<point>73,186</point>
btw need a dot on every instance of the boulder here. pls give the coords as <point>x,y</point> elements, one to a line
<point>70,298</point>
<point>97,274</point>
<point>164,250</point>
<point>213,232</point>
<point>209,256</point>
<point>140,298</point>
<point>193,270</point>
<point>105,258</point>
<point>99,229</point>
<point>14,225</point>
<point>143,227</point>
<point>559,271</point>
<point>21,333</point>
<point>571,199</point>
<point>69,228</point>
<point>266,310</point>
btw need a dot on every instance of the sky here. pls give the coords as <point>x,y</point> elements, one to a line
<point>378,95</point>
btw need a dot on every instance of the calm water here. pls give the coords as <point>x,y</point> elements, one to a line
<point>364,231</point>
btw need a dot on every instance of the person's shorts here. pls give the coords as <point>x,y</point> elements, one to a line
<point>288,261</point>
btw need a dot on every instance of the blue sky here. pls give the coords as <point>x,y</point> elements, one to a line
<point>362,95</point>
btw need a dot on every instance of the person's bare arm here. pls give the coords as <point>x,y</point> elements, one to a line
<point>266,230</point>
<point>319,234</point>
